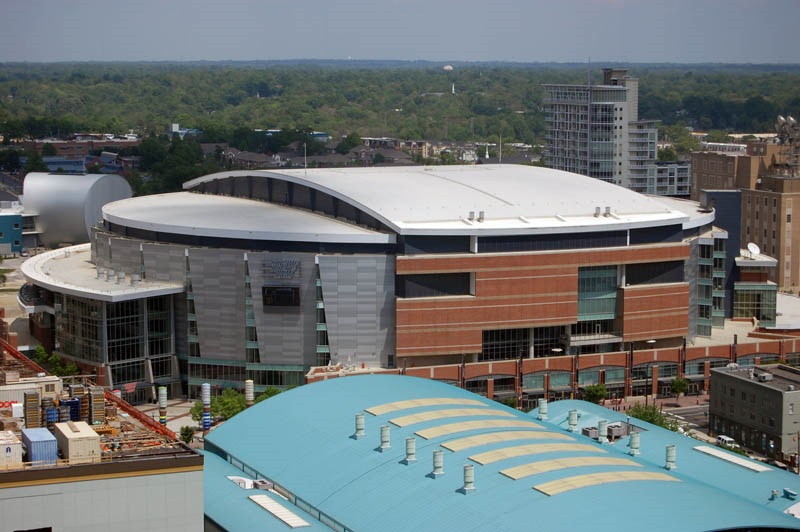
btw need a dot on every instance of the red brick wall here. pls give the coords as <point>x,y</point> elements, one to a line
<point>521,290</point>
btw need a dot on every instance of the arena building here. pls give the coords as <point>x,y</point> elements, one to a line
<point>263,274</point>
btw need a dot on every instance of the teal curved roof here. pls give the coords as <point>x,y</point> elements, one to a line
<point>529,473</point>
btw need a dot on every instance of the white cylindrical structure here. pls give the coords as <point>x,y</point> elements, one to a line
<point>162,396</point>
<point>411,450</point>
<point>469,478</point>
<point>249,392</point>
<point>162,405</point>
<point>542,408</point>
<point>438,463</point>
<point>385,438</point>
<point>634,444</point>
<point>110,275</point>
<point>671,455</point>
<point>573,420</point>
<point>602,431</point>
<point>360,426</point>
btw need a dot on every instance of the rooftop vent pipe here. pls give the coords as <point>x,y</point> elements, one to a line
<point>471,216</point>
<point>602,431</point>
<point>385,435</point>
<point>109,274</point>
<point>634,444</point>
<point>480,216</point>
<point>360,432</point>
<point>120,277</point>
<point>542,408</point>
<point>134,280</point>
<point>671,453</point>
<point>411,450</point>
<point>469,479</point>
<point>573,420</point>
<point>438,464</point>
<point>101,272</point>
<point>608,211</point>
<point>597,212</point>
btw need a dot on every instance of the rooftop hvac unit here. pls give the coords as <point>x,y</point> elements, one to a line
<point>591,432</point>
<point>764,377</point>
<point>262,484</point>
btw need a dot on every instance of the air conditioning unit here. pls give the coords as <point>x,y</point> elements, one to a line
<point>262,484</point>
<point>764,377</point>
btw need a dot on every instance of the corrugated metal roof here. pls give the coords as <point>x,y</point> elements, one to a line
<point>303,441</point>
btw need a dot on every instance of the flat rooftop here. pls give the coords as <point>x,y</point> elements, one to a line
<point>70,270</point>
<point>781,377</point>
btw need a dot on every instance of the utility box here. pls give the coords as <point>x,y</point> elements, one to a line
<point>10,451</point>
<point>78,442</point>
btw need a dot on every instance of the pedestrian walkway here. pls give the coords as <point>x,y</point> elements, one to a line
<point>178,415</point>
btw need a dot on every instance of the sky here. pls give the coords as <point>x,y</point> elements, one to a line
<point>564,31</point>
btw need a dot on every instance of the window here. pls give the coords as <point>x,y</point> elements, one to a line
<point>788,218</point>
<point>16,226</point>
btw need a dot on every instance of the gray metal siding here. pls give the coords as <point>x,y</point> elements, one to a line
<point>286,335</point>
<point>218,288</point>
<point>358,292</point>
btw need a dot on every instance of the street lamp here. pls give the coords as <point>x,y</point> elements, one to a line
<point>647,376</point>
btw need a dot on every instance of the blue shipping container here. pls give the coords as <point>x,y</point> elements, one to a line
<point>41,445</point>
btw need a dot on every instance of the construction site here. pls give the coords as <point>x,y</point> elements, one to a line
<point>71,446</point>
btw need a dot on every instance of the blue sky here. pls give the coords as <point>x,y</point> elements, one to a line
<point>684,31</point>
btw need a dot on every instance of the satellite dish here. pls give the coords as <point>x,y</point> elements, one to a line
<point>754,250</point>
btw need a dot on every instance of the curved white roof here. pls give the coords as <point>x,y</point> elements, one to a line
<point>206,215</point>
<point>514,199</point>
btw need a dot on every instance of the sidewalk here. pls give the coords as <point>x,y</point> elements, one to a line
<point>177,414</point>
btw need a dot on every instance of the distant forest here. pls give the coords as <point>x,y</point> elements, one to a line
<point>414,100</point>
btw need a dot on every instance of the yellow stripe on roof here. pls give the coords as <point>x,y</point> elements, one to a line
<point>377,410</point>
<point>583,481</point>
<point>431,415</point>
<point>464,426</point>
<point>503,436</point>
<point>533,448</point>
<point>534,468</point>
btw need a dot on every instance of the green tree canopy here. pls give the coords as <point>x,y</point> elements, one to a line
<point>595,393</point>
<point>679,386</point>
<point>652,414</point>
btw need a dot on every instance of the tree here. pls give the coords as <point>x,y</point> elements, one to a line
<point>595,393</point>
<point>48,150</point>
<point>667,154</point>
<point>34,163</point>
<point>224,406</point>
<point>348,143</point>
<point>652,414</point>
<point>187,434</point>
<point>266,394</point>
<point>679,386</point>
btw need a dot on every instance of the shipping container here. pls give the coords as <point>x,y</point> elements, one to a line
<point>41,446</point>
<point>10,451</point>
<point>78,442</point>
